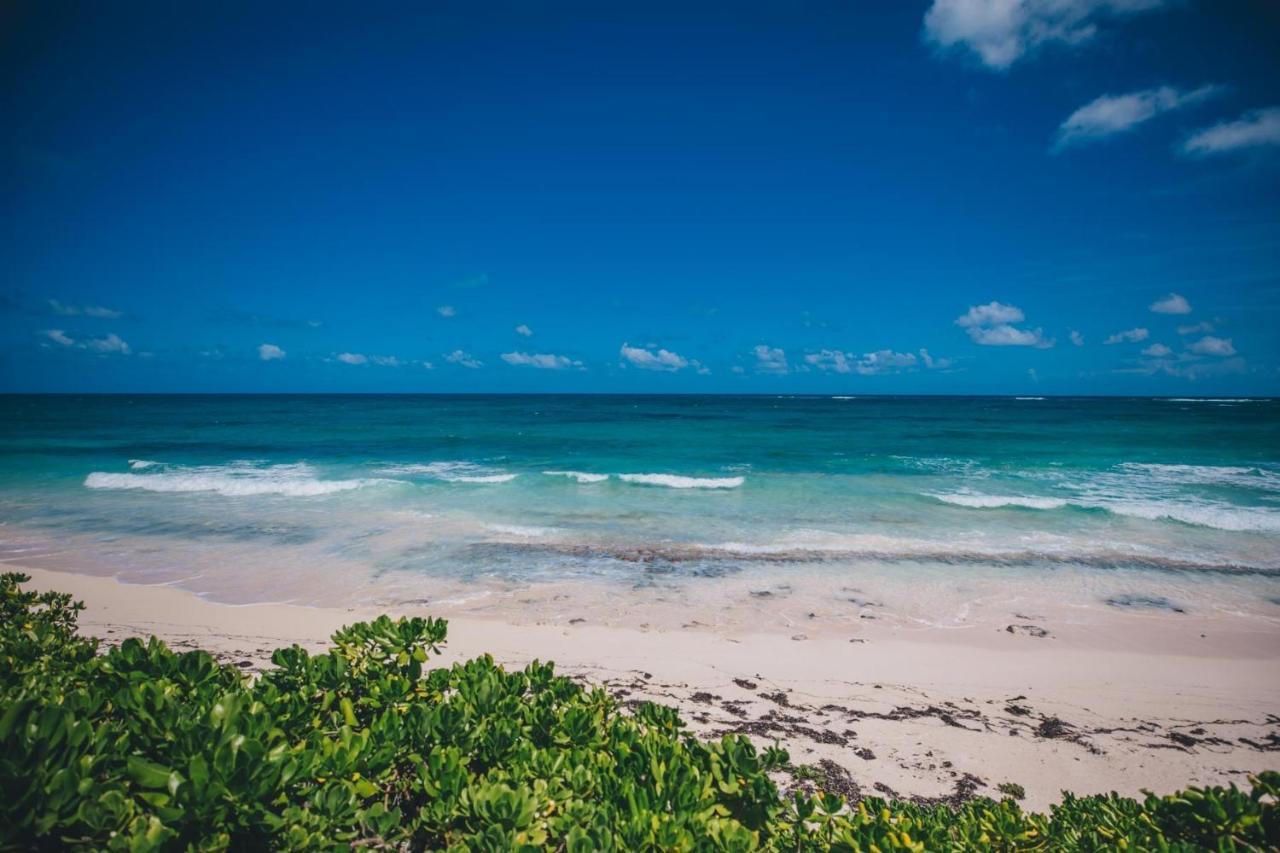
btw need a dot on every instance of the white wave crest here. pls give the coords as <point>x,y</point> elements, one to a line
<point>1200,513</point>
<point>1248,476</point>
<point>1028,398</point>
<point>233,480</point>
<point>449,472</point>
<point>519,530</point>
<point>580,476</point>
<point>674,481</point>
<point>1203,515</point>
<point>992,501</point>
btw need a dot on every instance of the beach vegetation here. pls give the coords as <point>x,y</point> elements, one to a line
<point>139,747</point>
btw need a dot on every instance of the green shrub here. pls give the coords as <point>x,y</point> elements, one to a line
<point>142,748</point>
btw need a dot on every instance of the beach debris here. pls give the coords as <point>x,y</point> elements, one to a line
<point>1029,630</point>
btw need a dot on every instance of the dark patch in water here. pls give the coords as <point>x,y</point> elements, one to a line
<point>664,557</point>
<point>1145,602</point>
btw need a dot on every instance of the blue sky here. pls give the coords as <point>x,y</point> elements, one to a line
<point>938,197</point>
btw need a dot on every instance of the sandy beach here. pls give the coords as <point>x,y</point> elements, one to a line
<point>1143,703</point>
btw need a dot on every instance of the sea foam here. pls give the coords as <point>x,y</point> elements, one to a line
<point>234,480</point>
<point>674,481</point>
<point>993,501</point>
<point>580,476</point>
<point>449,472</point>
<point>1202,514</point>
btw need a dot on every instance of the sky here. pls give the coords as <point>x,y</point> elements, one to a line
<point>947,197</point>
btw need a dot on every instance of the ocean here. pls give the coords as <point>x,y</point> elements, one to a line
<point>691,509</point>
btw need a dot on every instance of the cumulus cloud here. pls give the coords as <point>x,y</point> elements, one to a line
<point>1209,345</point>
<point>1196,328</point>
<point>544,361</point>
<point>991,325</point>
<point>1000,32</point>
<point>98,311</point>
<point>1252,130</point>
<point>1157,351</point>
<point>464,359</point>
<point>1171,304</point>
<point>361,358</point>
<point>651,359</point>
<point>1131,336</point>
<point>446,311</point>
<point>770,359</point>
<point>885,361</point>
<point>934,363</point>
<point>522,329</point>
<point>829,360</point>
<point>111,343</point>
<point>59,337</point>
<point>270,352</point>
<point>1076,338</point>
<point>1111,114</point>
<point>872,363</point>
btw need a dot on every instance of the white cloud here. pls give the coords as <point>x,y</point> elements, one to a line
<point>830,360</point>
<point>738,368</point>
<point>872,363</point>
<point>701,368</point>
<point>361,358</point>
<point>270,352</point>
<point>1000,32</point>
<point>1111,114</point>
<point>991,314</point>
<point>522,329</point>
<point>1009,336</point>
<point>446,311</point>
<point>1251,130</point>
<point>885,361</point>
<point>84,310</point>
<point>1131,336</point>
<point>111,343</point>
<point>463,358</point>
<point>647,359</point>
<point>1209,345</point>
<point>59,337</point>
<point>991,325</point>
<point>1196,328</point>
<point>1157,351</point>
<point>770,359</point>
<point>544,361</point>
<point>934,363</point>
<point>1172,303</point>
<point>1077,338</point>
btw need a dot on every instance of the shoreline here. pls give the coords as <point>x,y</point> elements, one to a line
<point>933,714</point>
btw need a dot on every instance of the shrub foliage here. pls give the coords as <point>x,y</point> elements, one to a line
<point>139,747</point>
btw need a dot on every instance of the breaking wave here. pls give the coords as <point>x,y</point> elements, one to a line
<point>237,479</point>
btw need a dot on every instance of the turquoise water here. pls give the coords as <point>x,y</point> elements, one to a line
<point>317,498</point>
